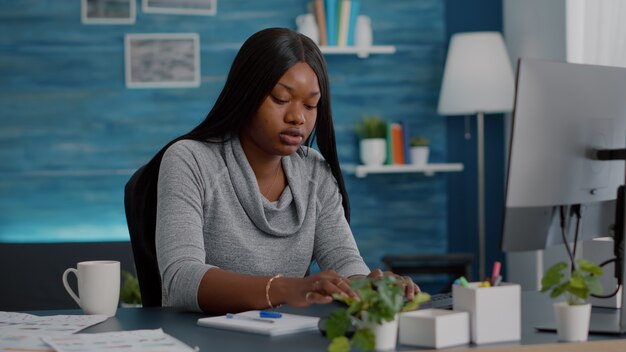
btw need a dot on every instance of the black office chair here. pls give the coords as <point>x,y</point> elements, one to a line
<point>140,206</point>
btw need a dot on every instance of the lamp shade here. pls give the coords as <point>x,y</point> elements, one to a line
<point>478,76</point>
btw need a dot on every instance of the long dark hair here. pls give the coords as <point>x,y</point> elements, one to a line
<point>259,64</point>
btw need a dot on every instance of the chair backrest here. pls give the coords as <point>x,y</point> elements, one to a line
<point>140,206</point>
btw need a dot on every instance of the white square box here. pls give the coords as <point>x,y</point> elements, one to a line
<point>434,328</point>
<point>495,312</point>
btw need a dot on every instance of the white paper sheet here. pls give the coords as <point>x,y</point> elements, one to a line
<point>23,332</point>
<point>122,341</point>
<point>53,325</point>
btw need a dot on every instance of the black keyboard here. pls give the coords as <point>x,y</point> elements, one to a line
<point>439,301</point>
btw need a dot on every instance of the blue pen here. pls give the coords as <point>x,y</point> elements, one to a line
<point>246,317</point>
<point>269,314</point>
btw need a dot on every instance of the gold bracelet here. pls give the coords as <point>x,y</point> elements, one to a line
<point>267,291</point>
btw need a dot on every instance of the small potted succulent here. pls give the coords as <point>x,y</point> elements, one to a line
<point>573,314</point>
<point>420,148</point>
<point>374,315</point>
<point>372,132</point>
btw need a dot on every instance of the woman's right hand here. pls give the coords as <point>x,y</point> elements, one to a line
<point>314,289</point>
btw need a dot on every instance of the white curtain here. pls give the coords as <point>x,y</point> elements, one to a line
<point>596,32</point>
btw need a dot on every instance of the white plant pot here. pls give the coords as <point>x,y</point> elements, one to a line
<point>373,151</point>
<point>572,322</point>
<point>386,334</point>
<point>419,155</point>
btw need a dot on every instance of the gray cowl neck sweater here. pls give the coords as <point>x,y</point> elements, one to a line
<point>210,213</point>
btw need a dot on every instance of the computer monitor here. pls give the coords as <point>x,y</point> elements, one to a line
<point>563,114</point>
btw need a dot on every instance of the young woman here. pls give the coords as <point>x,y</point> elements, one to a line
<point>244,204</point>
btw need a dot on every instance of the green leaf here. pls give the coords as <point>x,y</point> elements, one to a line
<point>558,290</point>
<point>556,268</point>
<point>337,324</point>
<point>550,280</point>
<point>594,285</point>
<point>589,266</point>
<point>339,344</point>
<point>418,299</point>
<point>364,339</point>
<point>580,292</point>
<point>553,276</point>
<point>576,281</point>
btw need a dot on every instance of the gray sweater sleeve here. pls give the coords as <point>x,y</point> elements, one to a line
<point>179,234</point>
<point>335,247</point>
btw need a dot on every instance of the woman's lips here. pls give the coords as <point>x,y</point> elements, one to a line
<point>292,136</point>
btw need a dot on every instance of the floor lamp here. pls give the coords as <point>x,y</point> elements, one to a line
<point>477,79</point>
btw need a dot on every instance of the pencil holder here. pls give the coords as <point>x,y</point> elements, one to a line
<point>495,312</point>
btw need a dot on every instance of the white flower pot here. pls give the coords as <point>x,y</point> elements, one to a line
<point>419,155</point>
<point>386,334</point>
<point>572,322</point>
<point>373,151</point>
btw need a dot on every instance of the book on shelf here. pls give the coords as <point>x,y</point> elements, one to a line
<point>331,21</point>
<point>354,12</point>
<point>389,149</point>
<point>344,22</point>
<point>397,143</point>
<point>320,16</point>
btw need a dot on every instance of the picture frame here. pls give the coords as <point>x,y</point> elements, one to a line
<point>108,11</point>
<point>162,60</point>
<point>180,7</point>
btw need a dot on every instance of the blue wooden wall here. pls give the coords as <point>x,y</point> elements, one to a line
<point>71,133</point>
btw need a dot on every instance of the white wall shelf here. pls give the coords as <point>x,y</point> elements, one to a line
<point>428,169</point>
<point>361,52</point>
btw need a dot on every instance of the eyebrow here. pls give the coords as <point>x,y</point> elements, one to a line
<point>289,88</point>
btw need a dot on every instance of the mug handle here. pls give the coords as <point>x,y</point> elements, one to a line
<point>67,286</point>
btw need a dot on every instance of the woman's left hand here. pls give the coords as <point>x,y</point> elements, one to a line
<point>410,288</point>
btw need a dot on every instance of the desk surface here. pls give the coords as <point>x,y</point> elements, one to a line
<point>536,309</point>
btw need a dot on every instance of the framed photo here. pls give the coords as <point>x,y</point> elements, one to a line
<point>108,11</point>
<point>180,7</point>
<point>162,60</point>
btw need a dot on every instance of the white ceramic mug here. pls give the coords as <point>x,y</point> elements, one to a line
<point>98,286</point>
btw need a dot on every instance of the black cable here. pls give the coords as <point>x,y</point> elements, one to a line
<point>576,210</point>
<point>569,251</point>
<point>618,286</point>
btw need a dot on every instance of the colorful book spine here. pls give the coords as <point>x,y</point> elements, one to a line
<point>331,21</point>
<point>354,13</point>
<point>320,15</point>
<point>389,159</point>
<point>344,22</point>
<point>397,143</point>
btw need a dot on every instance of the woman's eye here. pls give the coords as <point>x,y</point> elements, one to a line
<point>280,101</point>
<point>310,107</point>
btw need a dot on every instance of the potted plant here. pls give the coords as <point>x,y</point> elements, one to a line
<point>372,131</point>
<point>374,315</point>
<point>572,315</point>
<point>419,150</point>
<point>130,295</point>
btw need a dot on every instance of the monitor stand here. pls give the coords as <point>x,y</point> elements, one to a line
<point>609,320</point>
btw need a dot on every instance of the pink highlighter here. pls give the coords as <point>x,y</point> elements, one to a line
<point>496,272</point>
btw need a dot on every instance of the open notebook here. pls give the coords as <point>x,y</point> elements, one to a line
<point>287,324</point>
